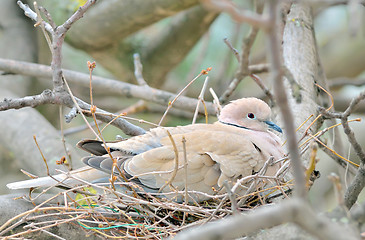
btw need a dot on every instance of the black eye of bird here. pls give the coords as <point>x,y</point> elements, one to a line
<point>251,115</point>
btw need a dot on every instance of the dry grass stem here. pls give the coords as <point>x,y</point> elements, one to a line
<point>201,99</point>
<point>203,72</point>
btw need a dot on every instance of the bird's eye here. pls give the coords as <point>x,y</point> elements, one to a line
<point>251,115</point>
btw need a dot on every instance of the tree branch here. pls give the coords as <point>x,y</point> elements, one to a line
<point>18,129</point>
<point>168,48</point>
<point>46,97</point>
<point>243,69</point>
<point>92,33</point>
<point>105,85</point>
<point>240,15</point>
<point>293,210</point>
<point>32,15</point>
<point>282,101</point>
<point>358,182</point>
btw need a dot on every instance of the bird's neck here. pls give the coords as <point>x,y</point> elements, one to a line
<point>235,125</point>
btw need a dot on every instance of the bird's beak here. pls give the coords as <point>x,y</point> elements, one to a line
<point>273,126</point>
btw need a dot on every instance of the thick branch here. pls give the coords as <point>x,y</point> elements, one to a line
<point>46,97</point>
<point>105,85</point>
<point>58,38</point>
<point>51,97</point>
<point>293,210</point>
<point>163,50</point>
<point>240,15</point>
<point>167,49</point>
<point>355,187</point>
<point>282,101</point>
<point>125,126</point>
<point>109,21</point>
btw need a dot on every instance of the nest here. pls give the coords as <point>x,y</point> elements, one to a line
<point>123,210</point>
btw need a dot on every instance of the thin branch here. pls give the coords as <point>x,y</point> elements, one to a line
<point>176,163</point>
<point>68,163</point>
<point>235,52</point>
<point>71,114</point>
<point>263,87</point>
<point>32,15</point>
<point>258,68</point>
<point>42,23</point>
<point>76,16</point>
<point>231,197</point>
<point>58,36</point>
<point>344,120</point>
<point>358,182</point>
<point>169,106</point>
<point>79,109</point>
<point>200,99</point>
<point>138,70</point>
<point>355,14</point>
<point>48,16</point>
<point>243,70</point>
<point>340,82</point>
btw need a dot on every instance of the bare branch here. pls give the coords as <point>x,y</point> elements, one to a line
<point>355,187</point>
<point>168,48</point>
<point>46,97</point>
<point>32,15</point>
<point>340,82</point>
<point>92,33</point>
<point>354,104</point>
<point>358,213</point>
<point>293,210</point>
<point>358,182</point>
<point>105,85</point>
<point>258,68</point>
<point>344,120</point>
<point>243,70</point>
<point>50,97</point>
<point>201,99</point>
<point>48,16</point>
<point>263,87</point>
<point>127,127</point>
<point>61,30</point>
<point>282,101</point>
<point>138,70</point>
<point>235,52</point>
<point>71,115</point>
<point>237,14</point>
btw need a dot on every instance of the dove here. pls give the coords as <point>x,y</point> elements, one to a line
<point>199,157</point>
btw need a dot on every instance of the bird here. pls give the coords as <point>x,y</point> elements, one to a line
<point>199,157</point>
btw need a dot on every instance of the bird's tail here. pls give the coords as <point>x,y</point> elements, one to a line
<point>85,173</point>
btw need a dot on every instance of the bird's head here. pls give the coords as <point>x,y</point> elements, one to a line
<point>251,113</point>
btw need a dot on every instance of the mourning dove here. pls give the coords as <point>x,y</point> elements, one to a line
<point>237,145</point>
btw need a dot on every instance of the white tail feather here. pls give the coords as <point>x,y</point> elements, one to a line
<point>37,182</point>
<point>85,173</point>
